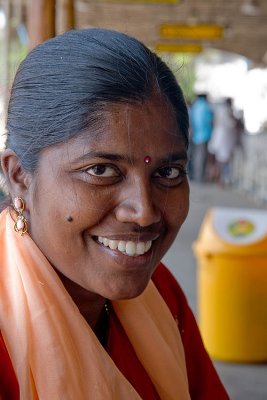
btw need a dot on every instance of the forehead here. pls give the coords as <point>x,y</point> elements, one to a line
<point>148,123</point>
<point>131,130</point>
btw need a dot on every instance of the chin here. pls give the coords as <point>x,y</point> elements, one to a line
<point>127,291</point>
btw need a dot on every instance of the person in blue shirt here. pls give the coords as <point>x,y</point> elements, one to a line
<point>201,124</point>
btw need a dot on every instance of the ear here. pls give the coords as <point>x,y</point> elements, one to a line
<point>17,179</point>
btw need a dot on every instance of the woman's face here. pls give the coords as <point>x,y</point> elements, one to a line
<point>103,216</point>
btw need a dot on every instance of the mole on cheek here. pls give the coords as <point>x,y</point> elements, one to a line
<point>69,218</point>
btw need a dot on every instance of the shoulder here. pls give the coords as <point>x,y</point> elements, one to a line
<point>175,299</point>
<point>169,289</point>
<point>204,383</point>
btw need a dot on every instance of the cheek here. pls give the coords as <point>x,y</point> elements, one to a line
<point>174,215</point>
<point>86,207</point>
<point>176,208</point>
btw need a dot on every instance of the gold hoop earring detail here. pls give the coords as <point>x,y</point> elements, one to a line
<point>21,222</point>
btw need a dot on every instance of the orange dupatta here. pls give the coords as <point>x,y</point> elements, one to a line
<point>56,355</point>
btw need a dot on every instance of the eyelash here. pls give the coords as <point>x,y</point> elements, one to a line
<point>171,182</point>
<point>180,170</point>
<point>103,166</point>
<point>116,174</point>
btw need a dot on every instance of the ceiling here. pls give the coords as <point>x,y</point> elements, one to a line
<point>244,21</point>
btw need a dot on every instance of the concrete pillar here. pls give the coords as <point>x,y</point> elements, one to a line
<point>41,21</point>
<point>65,16</point>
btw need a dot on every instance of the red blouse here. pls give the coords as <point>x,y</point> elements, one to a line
<point>204,383</point>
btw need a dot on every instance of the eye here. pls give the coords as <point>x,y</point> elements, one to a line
<point>102,170</point>
<point>170,176</point>
<point>168,172</point>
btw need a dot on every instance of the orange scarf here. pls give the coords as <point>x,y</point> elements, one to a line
<point>56,355</point>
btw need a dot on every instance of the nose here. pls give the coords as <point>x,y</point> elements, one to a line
<point>137,206</point>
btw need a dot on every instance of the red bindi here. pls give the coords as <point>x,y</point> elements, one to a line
<point>147,159</point>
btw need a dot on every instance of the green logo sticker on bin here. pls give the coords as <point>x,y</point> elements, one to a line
<point>241,228</point>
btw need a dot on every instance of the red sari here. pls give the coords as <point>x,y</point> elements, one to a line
<point>204,383</point>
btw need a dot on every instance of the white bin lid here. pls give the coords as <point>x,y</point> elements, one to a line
<point>239,225</point>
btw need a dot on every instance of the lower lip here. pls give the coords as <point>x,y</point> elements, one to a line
<point>128,261</point>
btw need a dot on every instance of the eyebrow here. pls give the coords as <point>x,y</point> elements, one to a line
<point>119,157</point>
<point>175,157</point>
<point>99,154</point>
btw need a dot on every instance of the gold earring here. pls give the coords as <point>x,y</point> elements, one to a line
<point>21,222</point>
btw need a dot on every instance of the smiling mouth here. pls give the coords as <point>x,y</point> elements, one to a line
<point>129,248</point>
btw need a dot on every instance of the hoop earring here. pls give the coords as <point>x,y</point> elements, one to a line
<point>20,226</point>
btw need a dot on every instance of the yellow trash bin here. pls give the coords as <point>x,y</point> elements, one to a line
<point>231,253</point>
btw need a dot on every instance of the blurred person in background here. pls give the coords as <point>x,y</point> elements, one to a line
<point>223,141</point>
<point>202,125</point>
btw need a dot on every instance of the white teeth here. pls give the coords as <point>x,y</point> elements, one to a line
<point>113,244</point>
<point>122,246</point>
<point>105,242</point>
<point>130,248</point>
<point>140,247</point>
<point>126,247</point>
<point>148,245</point>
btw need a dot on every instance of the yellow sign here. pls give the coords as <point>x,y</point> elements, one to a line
<point>201,31</point>
<point>147,1</point>
<point>178,48</point>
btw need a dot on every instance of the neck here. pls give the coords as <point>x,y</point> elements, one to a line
<point>89,304</point>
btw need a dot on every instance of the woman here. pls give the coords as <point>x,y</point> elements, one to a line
<point>95,164</point>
